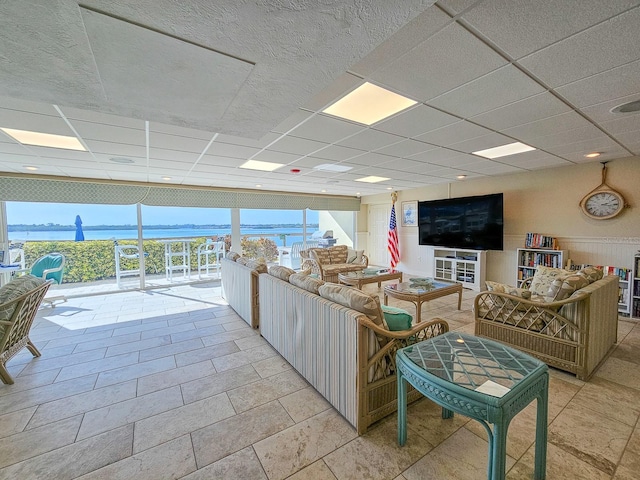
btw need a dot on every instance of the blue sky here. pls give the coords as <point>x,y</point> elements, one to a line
<point>65,214</point>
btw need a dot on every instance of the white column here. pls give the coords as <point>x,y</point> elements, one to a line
<point>235,231</point>
<point>140,249</point>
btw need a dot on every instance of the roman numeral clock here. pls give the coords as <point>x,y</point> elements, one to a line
<point>603,202</point>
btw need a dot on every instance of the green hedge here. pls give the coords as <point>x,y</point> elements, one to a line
<point>94,260</point>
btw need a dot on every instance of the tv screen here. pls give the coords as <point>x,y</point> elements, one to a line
<point>474,223</point>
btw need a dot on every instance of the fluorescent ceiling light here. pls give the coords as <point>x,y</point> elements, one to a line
<point>44,139</point>
<point>504,150</point>
<point>371,179</point>
<point>332,167</point>
<point>369,104</point>
<point>263,166</point>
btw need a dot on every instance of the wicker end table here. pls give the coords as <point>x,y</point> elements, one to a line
<point>481,379</point>
<point>418,294</point>
<point>358,279</point>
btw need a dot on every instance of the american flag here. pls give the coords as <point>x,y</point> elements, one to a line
<point>392,239</point>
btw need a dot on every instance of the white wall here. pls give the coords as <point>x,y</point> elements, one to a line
<point>541,201</point>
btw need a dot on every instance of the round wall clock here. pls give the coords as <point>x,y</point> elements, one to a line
<point>602,202</point>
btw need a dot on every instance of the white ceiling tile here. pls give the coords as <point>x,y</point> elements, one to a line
<point>520,27</point>
<point>234,151</point>
<point>173,155</point>
<point>497,169</point>
<point>406,148</point>
<point>221,161</point>
<point>13,148</point>
<point>597,49</point>
<point>481,143</point>
<point>602,111</point>
<point>415,121</point>
<point>34,122</point>
<point>524,111</point>
<point>292,121</point>
<point>177,142</point>
<point>610,85</point>
<point>109,133</point>
<point>534,160</point>
<point>547,126</point>
<point>336,152</point>
<point>298,146</point>
<point>370,139</point>
<point>337,89</point>
<point>569,136</point>
<point>600,144</point>
<point>325,129</point>
<point>116,149</point>
<point>415,32</point>
<point>370,158</point>
<point>454,133</point>
<point>433,72</point>
<point>24,105</point>
<point>91,116</point>
<point>276,157</point>
<point>488,92</point>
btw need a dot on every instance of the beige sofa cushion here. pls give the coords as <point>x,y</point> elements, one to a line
<point>338,254</point>
<point>592,274</point>
<point>543,278</point>
<point>563,287</point>
<point>353,298</point>
<point>283,273</point>
<point>259,267</point>
<point>233,256</point>
<point>310,284</point>
<point>320,255</point>
<point>354,256</point>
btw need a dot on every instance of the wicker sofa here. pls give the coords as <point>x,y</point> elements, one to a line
<point>345,353</point>
<point>19,302</point>
<point>240,286</point>
<point>574,334</point>
<point>327,263</point>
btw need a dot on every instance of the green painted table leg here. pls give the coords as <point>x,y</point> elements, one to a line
<point>498,449</point>
<point>402,409</point>
<point>541,433</point>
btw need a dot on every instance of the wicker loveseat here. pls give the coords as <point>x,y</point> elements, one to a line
<point>574,334</point>
<point>240,286</point>
<point>19,302</point>
<point>327,263</point>
<point>334,337</point>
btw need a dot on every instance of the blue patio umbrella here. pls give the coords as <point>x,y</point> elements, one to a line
<point>79,232</point>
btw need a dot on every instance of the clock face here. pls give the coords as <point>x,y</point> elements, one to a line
<point>604,204</point>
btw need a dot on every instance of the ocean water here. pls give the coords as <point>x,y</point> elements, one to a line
<point>293,234</point>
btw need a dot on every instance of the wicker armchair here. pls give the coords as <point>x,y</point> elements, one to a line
<point>16,318</point>
<point>574,335</point>
<point>327,263</point>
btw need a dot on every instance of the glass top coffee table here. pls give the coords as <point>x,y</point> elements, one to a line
<point>420,293</point>
<point>358,279</point>
<point>479,378</point>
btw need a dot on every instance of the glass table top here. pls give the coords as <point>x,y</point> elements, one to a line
<point>423,286</point>
<point>366,273</point>
<point>472,362</point>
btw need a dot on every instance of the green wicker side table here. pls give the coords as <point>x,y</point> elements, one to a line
<point>481,379</point>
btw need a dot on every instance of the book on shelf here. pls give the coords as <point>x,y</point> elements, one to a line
<point>538,240</point>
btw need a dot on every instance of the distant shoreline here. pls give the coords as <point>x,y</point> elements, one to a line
<point>62,228</point>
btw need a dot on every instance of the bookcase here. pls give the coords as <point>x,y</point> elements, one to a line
<point>463,266</point>
<point>635,288</point>
<point>529,258</point>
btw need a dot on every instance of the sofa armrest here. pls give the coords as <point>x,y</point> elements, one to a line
<point>365,261</point>
<point>313,265</point>
<point>382,363</point>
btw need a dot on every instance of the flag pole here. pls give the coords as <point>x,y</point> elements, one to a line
<point>392,238</point>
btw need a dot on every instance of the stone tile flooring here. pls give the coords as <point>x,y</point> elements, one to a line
<point>171,383</point>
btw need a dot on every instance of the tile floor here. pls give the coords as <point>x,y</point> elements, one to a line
<point>172,384</point>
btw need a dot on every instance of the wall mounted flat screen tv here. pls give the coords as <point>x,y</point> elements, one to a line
<point>474,223</point>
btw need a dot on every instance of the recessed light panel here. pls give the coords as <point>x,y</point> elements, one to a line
<point>369,104</point>
<point>371,179</point>
<point>504,150</point>
<point>44,139</point>
<point>332,167</point>
<point>262,166</point>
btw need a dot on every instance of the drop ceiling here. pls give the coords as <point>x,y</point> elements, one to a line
<point>189,91</point>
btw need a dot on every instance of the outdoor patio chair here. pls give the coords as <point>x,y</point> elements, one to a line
<point>294,255</point>
<point>48,267</point>
<point>216,249</point>
<point>126,252</point>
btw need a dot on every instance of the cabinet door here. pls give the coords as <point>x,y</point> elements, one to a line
<point>444,269</point>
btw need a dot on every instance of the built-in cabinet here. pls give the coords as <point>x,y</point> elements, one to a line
<point>529,258</point>
<point>635,279</point>
<point>463,266</point>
